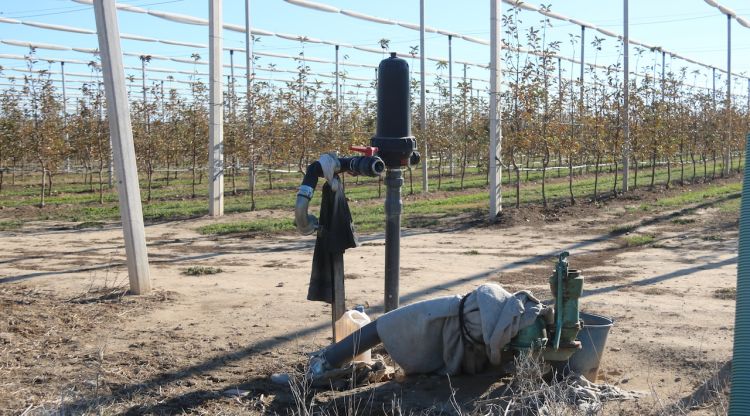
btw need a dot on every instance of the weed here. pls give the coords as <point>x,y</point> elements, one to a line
<point>202,270</point>
<point>683,221</point>
<point>726,293</point>
<point>638,240</point>
<point>89,224</point>
<point>10,225</point>
<point>262,225</point>
<point>622,229</point>
<point>471,253</point>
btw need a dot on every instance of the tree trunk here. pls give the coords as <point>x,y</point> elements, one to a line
<point>44,182</point>
<point>713,169</point>
<point>682,169</point>
<point>570,179</point>
<point>635,173</point>
<point>464,161</point>
<point>518,185</point>
<point>653,168</point>
<point>411,183</point>
<point>544,179</point>
<point>669,172</point>
<point>193,176</point>
<point>149,174</point>
<point>49,178</point>
<point>440,169</point>
<point>596,177</point>
<point>101,184</point>
<point>614,187</point>
<point>692,158</point>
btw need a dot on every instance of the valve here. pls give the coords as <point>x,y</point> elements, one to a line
<point>365,150</point>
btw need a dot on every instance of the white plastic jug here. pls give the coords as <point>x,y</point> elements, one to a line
<point>350,322</point>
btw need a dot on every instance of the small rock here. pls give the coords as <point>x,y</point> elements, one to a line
<point>677,379</point>
<point>6,337</point>
<point>280,378</point>
<point>616,349</point>
<point>235,393</point>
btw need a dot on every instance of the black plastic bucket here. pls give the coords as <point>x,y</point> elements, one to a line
<point>593,339</point>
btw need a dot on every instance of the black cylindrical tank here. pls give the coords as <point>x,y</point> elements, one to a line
<point>393,132</point>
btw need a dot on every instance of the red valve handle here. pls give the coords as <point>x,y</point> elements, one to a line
<point>366,150</point>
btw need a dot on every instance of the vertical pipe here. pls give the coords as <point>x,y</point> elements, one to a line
<point>495,128</point>
<point>728,154</point>
<point>121,134</point>
<point>216,118</point>
<point>338,93</point>
<point>249,74</point>
<point>451,168</point>
<point>422,101</point>
<point>625,100</point>
<point>393,206</point>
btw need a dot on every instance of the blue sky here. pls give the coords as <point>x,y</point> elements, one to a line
<point>689,27</point>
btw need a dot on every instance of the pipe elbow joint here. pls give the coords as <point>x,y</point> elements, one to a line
<point>306,223</point>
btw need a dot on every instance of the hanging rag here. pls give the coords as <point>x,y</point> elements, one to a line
<point>335,235</point>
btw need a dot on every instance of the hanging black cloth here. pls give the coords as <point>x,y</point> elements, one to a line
<point>335,235</point>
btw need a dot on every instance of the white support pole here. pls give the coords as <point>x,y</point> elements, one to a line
<point>121,134</point>
<point>249,75</point>
<point>450,103</point>
<point>625,100</point>
<point>496,204</point>
<point>728,150</point>
<point>422,101</point>
<point>216,118</point>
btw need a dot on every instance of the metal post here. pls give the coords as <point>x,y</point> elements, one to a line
<point>422,101</point>
<point>249,74</point>
<point>121,134</point>
<point>728,152</point>
<point>495,130</point>
<point>231,81</point>
<point>625,100</point>
<point>393,207</point>
<point>450,103</point>
<point>338,92</point>
<point>216,118</point>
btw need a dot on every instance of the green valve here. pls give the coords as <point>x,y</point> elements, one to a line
<point>566,285</point>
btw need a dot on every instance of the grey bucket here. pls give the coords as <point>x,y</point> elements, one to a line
<point>593,339</point>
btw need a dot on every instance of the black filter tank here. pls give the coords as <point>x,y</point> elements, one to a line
<point>393,136</point>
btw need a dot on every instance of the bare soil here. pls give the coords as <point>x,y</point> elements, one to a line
<point>71,340</point>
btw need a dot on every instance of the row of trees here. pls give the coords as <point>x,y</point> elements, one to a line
<point>549,121</point>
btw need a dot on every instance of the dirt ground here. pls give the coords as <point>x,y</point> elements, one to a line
<point>71,342</point>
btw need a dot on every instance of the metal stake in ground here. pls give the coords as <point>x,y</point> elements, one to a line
<point>396,147</point>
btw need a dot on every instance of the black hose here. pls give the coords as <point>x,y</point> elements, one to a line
<point>314,171</point>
